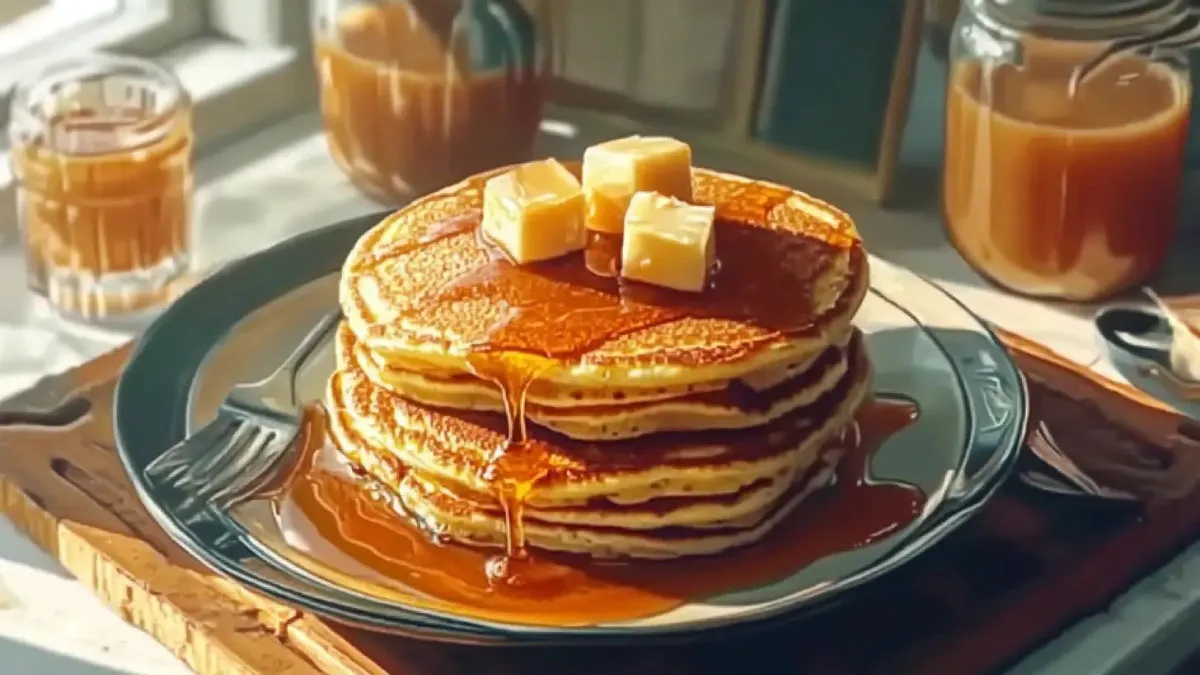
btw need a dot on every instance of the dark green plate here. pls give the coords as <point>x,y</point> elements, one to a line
<point>240,323</point>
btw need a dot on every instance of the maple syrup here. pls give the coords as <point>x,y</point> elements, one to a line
<point>359,519</point>
<point>516,466</point>
<point>1055,187</point>
<point>603,254</point>
<point>561,309</point>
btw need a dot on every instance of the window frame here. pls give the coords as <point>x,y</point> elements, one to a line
<point>140,27</point>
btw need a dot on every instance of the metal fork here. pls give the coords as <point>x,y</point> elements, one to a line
<point>234,455</point>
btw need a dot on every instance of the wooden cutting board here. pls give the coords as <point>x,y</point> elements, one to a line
<point>64,487</point>
<point>62,484</point>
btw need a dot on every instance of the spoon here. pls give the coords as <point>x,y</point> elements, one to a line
<point>1157,343</point>
<point>1184,352</point>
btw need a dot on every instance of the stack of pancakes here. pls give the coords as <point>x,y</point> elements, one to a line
<point>685,437</point>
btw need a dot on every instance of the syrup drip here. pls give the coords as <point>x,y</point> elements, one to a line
<point>516,466</point>
<point>574,590</point>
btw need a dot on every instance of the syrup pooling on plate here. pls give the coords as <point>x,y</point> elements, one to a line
<point>555,311</point>
<point>574,590</point>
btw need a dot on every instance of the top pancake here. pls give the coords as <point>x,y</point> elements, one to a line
<point>422,291</point>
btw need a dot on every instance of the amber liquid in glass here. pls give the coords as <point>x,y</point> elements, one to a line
<point>404,114</point>
<point>1060,195</point>
<point>105,203</point>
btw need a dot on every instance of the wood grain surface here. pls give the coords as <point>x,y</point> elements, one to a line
<point>64,487</point>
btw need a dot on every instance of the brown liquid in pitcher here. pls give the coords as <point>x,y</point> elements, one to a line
<point>1066,196</point>
<point>404,113</point>
<point>555,589</point>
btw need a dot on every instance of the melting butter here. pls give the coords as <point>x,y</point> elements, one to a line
<point>535,212</point>
<point>616,170</point>
<point>668,242</point>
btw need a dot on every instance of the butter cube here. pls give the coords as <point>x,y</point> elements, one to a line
<point>614,171</point>
<point>535,212</point>
<point>668,242</point>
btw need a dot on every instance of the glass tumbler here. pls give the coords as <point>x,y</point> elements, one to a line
<point>102,155</point>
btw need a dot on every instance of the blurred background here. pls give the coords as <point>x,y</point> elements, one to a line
<point>847,92</point>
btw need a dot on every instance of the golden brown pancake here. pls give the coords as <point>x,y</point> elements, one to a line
<point>609,499</point>
<point>669,505</point>
<point>421,292</point>
<point>661,423</point>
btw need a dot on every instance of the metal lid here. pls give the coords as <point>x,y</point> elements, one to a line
<point>1100,19</point>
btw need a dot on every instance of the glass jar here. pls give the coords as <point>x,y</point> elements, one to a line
<point>102,156</point>
<point>418,94</point>
<point>1057,191</point>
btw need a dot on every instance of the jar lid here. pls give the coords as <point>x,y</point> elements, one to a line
<point>1104,18</point>
<point>1092,9</point>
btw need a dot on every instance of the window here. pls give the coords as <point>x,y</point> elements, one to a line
<point>25,24</point>
<point>34,32</point>
<point>245,62</point>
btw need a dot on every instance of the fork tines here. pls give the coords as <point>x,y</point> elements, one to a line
<point>235,455</point>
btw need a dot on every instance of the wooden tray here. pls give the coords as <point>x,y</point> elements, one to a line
<point>965,608</point>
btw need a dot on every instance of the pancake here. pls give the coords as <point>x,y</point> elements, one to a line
<point>422,293</point>
<point>693,510</point>
<point>456,519</point>
<point>604,416</point>
<point>734,404</point>
<point>441,387</point>
<point>610,502</point>
<point>455,446</point>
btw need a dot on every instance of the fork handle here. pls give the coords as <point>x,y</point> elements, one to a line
<point>311,341</point>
